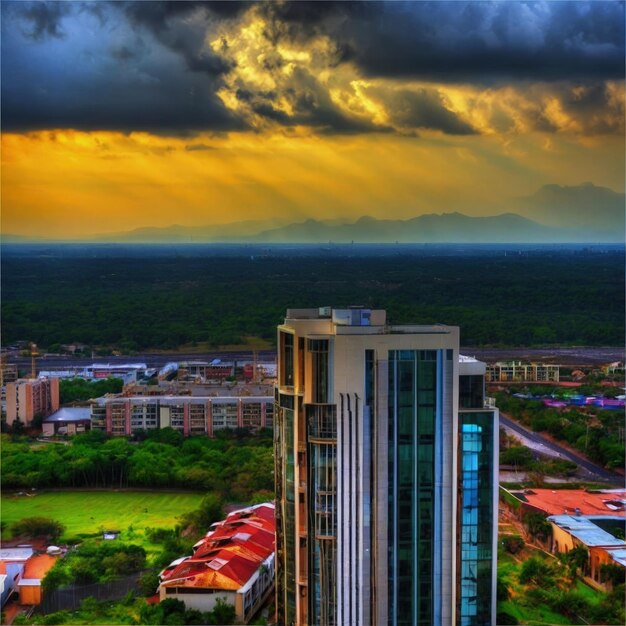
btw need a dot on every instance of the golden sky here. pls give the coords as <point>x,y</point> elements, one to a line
<point>115,121</point>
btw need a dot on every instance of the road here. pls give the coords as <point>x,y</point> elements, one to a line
<point>563,356</point>
<point>538,442</point>
<point>150,359</point>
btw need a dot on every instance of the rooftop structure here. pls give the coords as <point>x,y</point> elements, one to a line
<point>233,562</point>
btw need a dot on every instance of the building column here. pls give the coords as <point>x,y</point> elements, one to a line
<point>107,420</point>
<point>209,418</point>
<point>240,413</point>
<point>186,419</point>
<point>127,415</point>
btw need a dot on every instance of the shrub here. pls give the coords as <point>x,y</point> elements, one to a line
<point>513,544</point>
<point>38,527</point>
<point>535,571</point>
<point>148,583</point>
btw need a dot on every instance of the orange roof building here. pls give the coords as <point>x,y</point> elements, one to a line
<point>34,571</point>
<point>234,563</point>
<point>574,501</point>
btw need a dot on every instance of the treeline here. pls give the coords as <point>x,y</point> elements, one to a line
<point>165,302</point>
<point>235,465</point>
<point>79,389</point>
<point>596,433</point>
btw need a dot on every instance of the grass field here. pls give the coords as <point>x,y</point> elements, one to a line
<point>88,512</point>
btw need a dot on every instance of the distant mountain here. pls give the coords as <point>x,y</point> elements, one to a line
<point>582,206</point>
<point>554,214</point>
<point>434,228</point>
<point>189,234</point>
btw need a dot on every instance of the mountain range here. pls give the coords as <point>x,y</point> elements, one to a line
<point>554,214</point>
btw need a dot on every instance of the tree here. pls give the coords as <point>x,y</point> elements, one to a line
<point>535,571</point>
<point>537,525</point>
<point>148,583</point>
<point>576,559</point>
<point>612,574</point>
<point>513,544</point>
<point>38,527</point>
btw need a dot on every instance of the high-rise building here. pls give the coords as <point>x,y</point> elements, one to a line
<point>385,474</point>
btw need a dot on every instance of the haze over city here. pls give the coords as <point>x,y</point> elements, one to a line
<point>124,115</point>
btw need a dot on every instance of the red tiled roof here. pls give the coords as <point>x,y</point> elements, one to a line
<point>229,555</point>
<point>566,501</point>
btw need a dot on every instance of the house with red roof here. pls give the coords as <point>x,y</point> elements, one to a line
<point>233,562</point>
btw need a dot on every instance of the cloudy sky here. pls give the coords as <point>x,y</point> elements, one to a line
<point>117,115</point>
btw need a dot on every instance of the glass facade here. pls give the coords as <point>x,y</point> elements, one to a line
<point>286,361</point>
<point>471,392</point>
<point>475,517</point>
<point>413,398</point>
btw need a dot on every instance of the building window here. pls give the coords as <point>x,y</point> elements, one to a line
<point>471,392</point>
<point>319,365</point>
<point>286,361</point>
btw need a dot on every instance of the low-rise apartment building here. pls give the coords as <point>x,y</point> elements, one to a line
<point>519,372</point>
<point>191,415</point>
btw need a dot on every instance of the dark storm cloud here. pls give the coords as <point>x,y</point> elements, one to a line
<point>424,109</point>
<point>108,72</point>
<point>147,66</point>
<point>466,41</point>
<point>170,24</point>
<point>44,19</point>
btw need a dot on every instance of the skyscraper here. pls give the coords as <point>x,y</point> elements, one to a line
<point>385,474</point>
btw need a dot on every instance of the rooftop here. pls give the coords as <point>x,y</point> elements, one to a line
<point>37,566</point>
<point>571,501</point>
<point>230,553</point>
<point>619,556</point>
<point>67,414</point>
<point>169,399</point>
<point>16,554</point>
<point>586,531</point>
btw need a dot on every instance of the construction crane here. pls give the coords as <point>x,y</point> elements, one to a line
<point>33,354</point>
<point>3,358</point>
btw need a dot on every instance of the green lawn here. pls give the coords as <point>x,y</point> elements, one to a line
<point>87,512</point>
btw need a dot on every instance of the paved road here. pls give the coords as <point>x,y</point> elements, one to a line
<point>150,359</point>
<point>565,356</point>
<point>586,464</point>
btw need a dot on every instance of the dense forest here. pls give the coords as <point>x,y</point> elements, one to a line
<point>132,303</point>
<point>236,466</point>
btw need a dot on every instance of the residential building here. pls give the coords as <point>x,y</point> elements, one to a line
<point>28,398</point>
<point>519,372</point>
<point>192,415</point>
<point>233,563</point>
<point>21,571</point>
<point>385,451</point>
<point>67,421</point>
<point>571,531</point>
<point>601,502</point>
